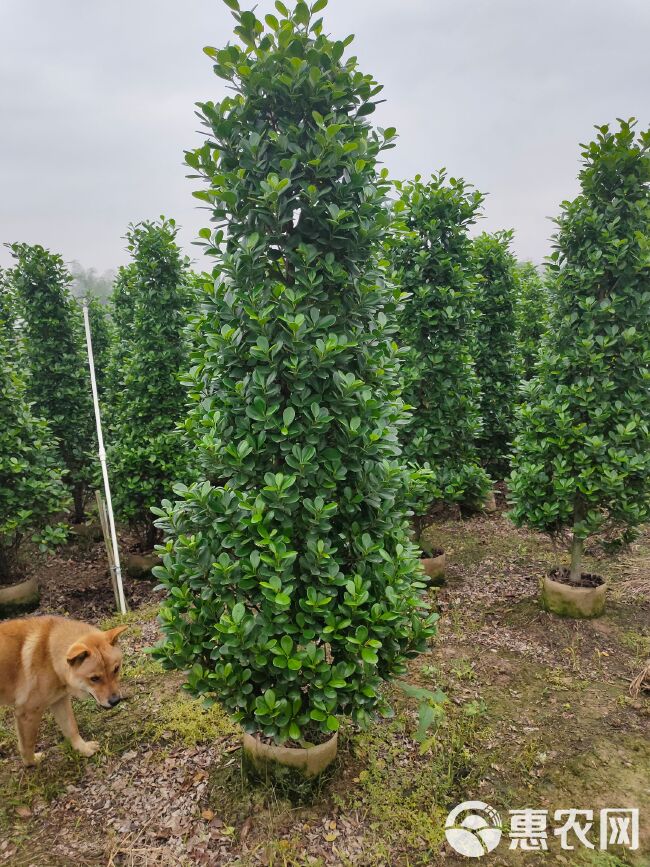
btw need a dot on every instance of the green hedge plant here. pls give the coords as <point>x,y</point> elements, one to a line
<point>101,329</point>
<point>531,311</point>
<point>54,352</point>
<point>147,453</point>
<point>431,254</point>
<point>121,313</point>
<point>8,311</point>
<point>582,455</point>
<point>31,489</point>
<point>495,347</point>
<point>293,588</point>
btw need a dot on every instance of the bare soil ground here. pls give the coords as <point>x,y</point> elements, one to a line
<point>539,715</point>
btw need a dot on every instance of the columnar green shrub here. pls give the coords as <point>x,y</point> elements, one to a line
<point>431,254</point>
<point>495,350</point>
<point>531,313</point>
<point>7,305</point>
<point>58,383</point>
<point>121,313</point>
<point>582,456</point>
<point>122,301</point>
<point>147,400</point>
<point>101,329</point>
<point>293,588</point>
<point>31,490</point>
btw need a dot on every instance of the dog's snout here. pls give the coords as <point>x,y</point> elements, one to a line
<point>114,699</point>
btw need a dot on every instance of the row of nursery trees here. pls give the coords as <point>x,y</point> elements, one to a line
<point>461,318</point>
<point>467,300</point>
<point>48,451</point>
<point>294,587</point>
<point>144,329</point>
<point>348,359</point>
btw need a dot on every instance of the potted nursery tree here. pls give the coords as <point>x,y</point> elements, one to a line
<point>58,384</point>
<point>31,490</point>
<point>146,397</point>
<point>431,255</point>
<point>495,347</point>
<point>293,588</point>
<point>582,455</point>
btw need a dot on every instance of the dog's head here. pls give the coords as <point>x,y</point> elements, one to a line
<point>94,665</point>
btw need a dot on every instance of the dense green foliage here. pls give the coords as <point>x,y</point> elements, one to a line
<point>532,313</point>
<point>146,452</point>
<point>31,490</point>
<point>122,301</point>
<point>293,588</point>
<point>7,306</point>
<point>582,457</point>
<point>53,345</point>
<point>101,329</point>
<point>121,315</point>
<point>431,254</point>
<point>495,351</point>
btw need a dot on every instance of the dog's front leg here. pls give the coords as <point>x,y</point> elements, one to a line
<point>64,716</point>
<point>28,719</point>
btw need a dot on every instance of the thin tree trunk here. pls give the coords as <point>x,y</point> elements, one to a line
<point>578,543</point>
<point>577,548</point>
<point>5,568</point>
<point>151,536</point>
<point>78,493</point>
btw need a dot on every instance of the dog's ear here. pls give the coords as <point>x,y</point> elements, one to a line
<point>77,653</point>
<point>113,634</point>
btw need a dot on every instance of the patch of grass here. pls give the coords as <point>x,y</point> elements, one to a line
<point>460,544</point>
<point>432,673</point>
<point>185,720</point>
<point>405,795</point>
<point>235,798</point>
<point>21,787</point>
<point>157,711</point>
<point>601,859</point>
<point>637,642</point>
<point>141,666</point>
<point>287,783</point>
<point>557,680</point>
<point>463,669</point>
<point>522,613</point>
<point>6,728</point>
<point>530,756</point>
<point>147,612</point>
<point>288,852</point>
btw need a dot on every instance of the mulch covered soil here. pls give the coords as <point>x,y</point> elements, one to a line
<point>539,714</point>
<point>76,582</point>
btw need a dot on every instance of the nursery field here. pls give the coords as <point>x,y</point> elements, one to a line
<point>292,442</point>
<point>539,715</point>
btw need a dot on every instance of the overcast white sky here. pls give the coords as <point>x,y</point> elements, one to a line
<point>97,105</point>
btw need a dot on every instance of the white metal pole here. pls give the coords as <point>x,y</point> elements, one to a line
<point>102,461</point>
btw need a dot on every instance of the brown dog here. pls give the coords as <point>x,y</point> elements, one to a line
<point>47,661</point>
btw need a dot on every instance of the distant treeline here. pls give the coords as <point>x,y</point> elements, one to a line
<point>88,282</point>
